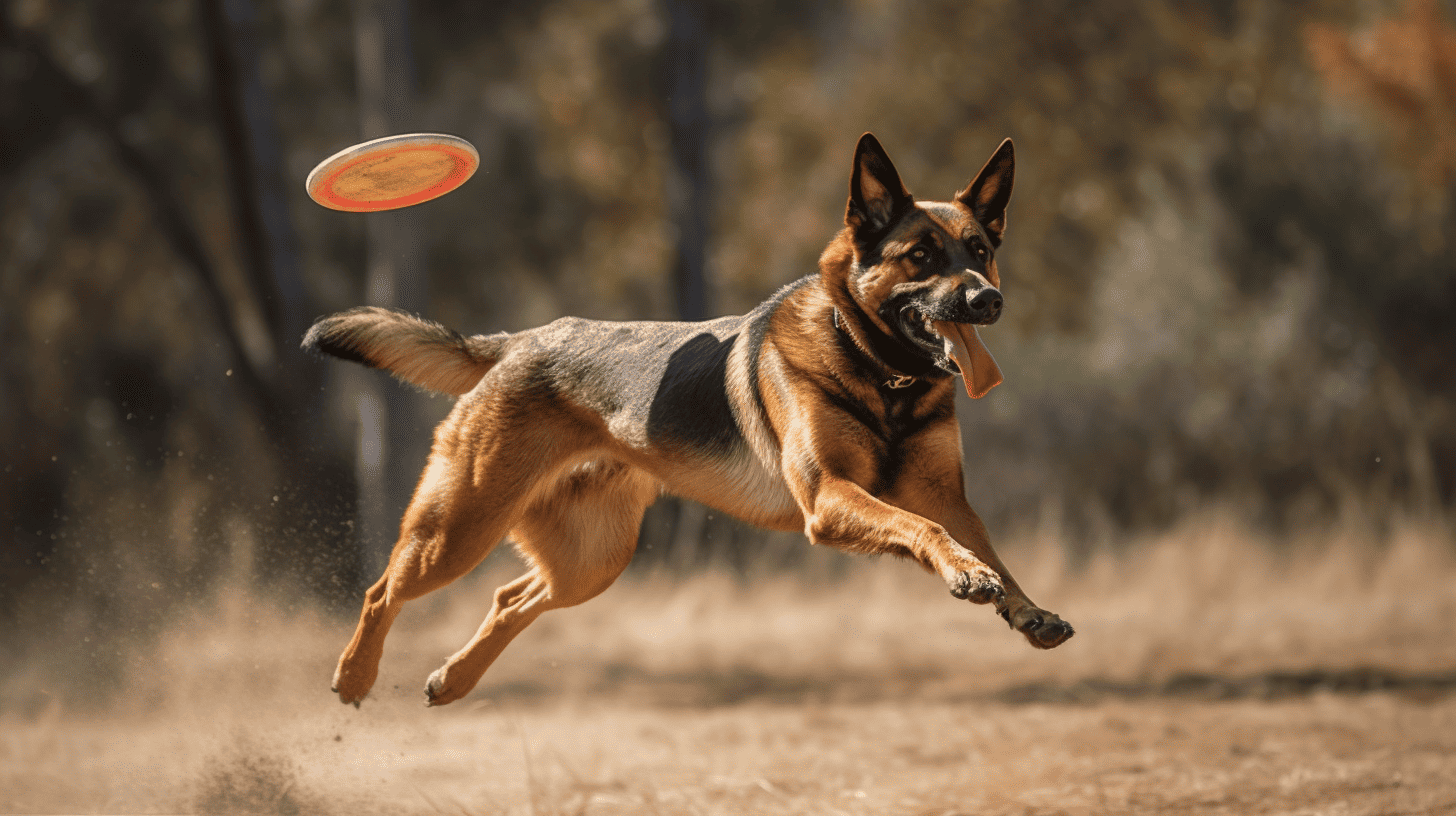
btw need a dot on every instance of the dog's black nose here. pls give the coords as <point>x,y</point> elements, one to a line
<point>985,305</point>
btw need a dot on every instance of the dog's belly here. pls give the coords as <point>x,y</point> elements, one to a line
<point>754,493</point>
<point>739,485</point>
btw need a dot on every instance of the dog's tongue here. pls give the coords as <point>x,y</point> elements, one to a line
<point>978,368</point>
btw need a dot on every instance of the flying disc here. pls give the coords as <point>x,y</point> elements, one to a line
<point>392,172</point>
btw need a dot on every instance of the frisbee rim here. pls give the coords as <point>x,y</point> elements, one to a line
<point>320,181</point>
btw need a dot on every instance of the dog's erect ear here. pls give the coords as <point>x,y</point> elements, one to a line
<point>876,194</point>
<point>989,194</point>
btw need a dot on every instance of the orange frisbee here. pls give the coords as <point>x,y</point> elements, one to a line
<point>392,172</point>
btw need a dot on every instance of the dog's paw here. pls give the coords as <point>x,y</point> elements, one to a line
<point>351,686</point>
<point>443,687</point>
<point>979,586</point>
<point>1041,628</point>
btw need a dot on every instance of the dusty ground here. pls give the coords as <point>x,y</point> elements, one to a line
<point>1207,676</point>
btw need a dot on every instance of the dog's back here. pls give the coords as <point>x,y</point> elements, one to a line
<point>669,394</point>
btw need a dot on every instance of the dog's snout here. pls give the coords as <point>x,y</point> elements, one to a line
<point>985,305</point>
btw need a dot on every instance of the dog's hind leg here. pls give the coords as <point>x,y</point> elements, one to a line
<point>473,490</point>
<point>579,535</point>
<point>446,531</point>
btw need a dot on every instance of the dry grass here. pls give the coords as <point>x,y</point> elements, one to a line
<point>1208,675</point>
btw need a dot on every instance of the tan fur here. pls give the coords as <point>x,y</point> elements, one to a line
<point>415,350</point>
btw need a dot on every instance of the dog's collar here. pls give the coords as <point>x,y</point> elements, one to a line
<point>904,367</point>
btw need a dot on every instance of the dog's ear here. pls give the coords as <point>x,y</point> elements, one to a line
<point>876,194</point>
<point>989,194</point>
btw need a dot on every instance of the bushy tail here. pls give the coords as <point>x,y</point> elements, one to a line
<point>413,349</point>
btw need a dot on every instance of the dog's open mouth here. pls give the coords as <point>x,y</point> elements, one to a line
<point>962,349</point>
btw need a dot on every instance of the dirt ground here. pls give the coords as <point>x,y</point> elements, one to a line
<point>1208,676</point>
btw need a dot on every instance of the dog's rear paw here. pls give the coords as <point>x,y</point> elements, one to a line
<point>979,587</point>
<point>1042,629</point>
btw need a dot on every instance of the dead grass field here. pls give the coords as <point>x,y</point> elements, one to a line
<point>1207,676</point>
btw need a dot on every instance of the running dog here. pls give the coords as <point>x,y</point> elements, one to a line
<point>828,409</point>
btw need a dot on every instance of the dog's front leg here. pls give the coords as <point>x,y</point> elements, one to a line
<point>1042,629</point>
<point>935,491</point>
<point>846,516</point>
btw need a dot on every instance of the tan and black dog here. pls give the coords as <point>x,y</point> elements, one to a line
<point>828,409</point>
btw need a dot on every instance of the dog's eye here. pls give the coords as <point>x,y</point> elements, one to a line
<point>920,255</point>
<point>980,252</point>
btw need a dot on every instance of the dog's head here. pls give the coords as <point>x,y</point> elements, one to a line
<point>924,273</point>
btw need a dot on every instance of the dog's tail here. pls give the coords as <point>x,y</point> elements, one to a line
<point>413,349</point>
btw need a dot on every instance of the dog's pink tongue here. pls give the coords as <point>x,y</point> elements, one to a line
<point>978,367</point>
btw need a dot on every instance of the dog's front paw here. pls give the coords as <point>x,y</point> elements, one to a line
<point>352,683</point>
<point>979,586</point>
<point>445,686</point>
<point>1042,629</point>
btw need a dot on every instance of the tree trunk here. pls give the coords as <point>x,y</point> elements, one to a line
<point>393,437</point>
<point>680,542</point>
<point>688,194</point>
<point>309,535</point>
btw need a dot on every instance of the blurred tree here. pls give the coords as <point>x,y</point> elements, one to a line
<point>253,160</point>
<point>684,85</point>
<point>689,193</point>
<point>1406,67</point>
<point>393,437</point>
<point>255,171</point>
<point>298,530</point>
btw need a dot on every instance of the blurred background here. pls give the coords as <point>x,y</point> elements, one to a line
<point>1230,266</point>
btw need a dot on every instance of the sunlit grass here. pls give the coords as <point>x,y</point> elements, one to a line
<point>872,693</point>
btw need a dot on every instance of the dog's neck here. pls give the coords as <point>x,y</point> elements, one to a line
<point>901,365</point>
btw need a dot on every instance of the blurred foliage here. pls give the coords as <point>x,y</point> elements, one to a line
<point>1229,267</point>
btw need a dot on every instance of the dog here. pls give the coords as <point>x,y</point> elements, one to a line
<point>829,409</point>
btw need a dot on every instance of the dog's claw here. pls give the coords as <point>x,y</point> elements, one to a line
<point>348,698</point>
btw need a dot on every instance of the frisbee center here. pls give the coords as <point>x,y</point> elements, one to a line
<point>394,175</point>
